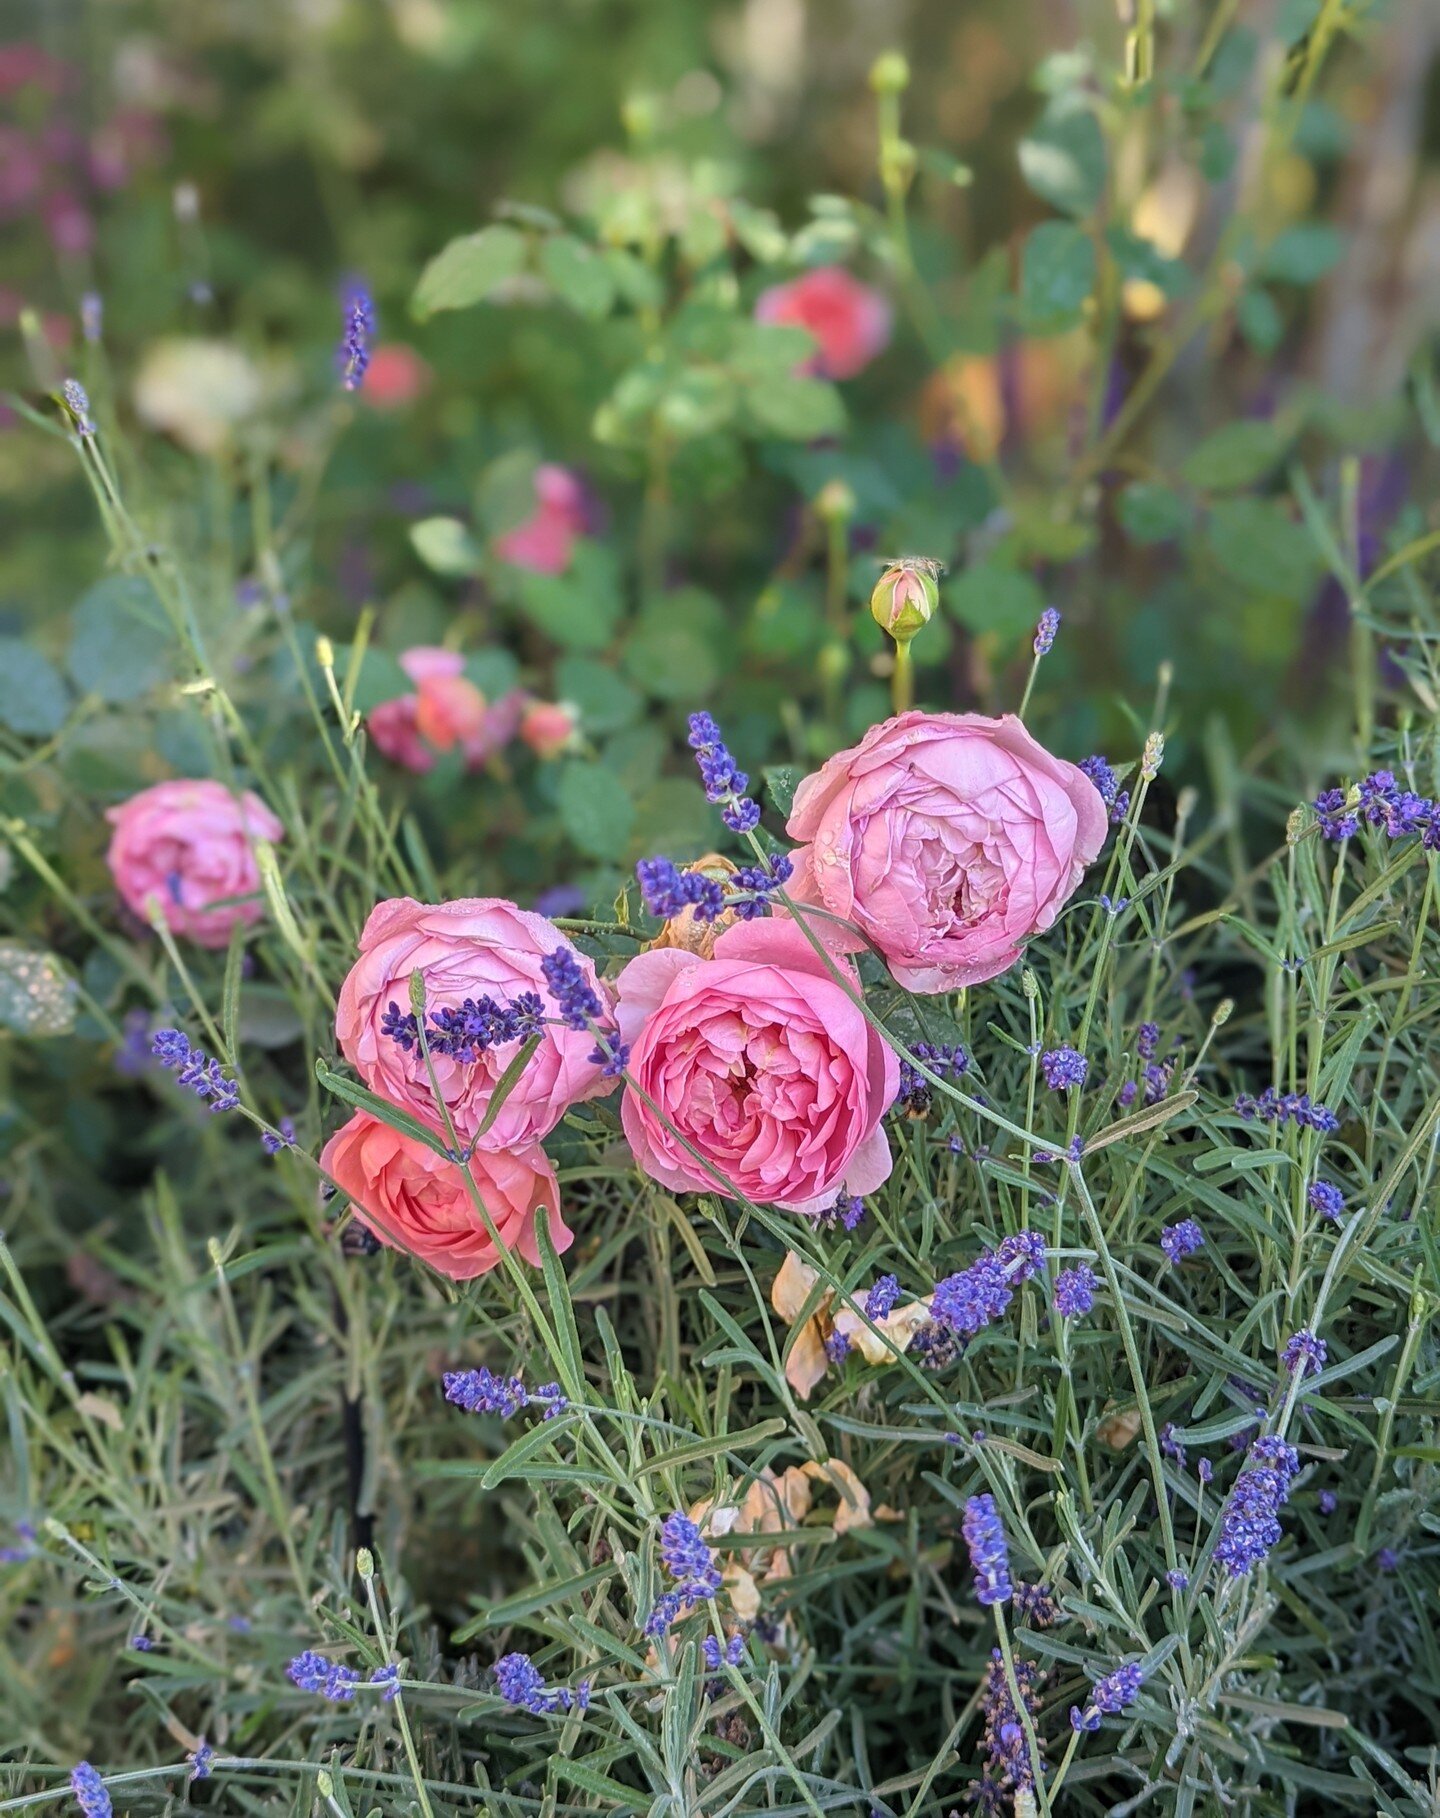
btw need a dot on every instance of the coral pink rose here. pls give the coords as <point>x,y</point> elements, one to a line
<point>545,541</point>
<point>946,839</point>
<point>416,1200</point>
<point>473,948</point>
<point>849,321</point>
<point>395,377</point>
<point>190,845</point>
<point>763,1063</point>
<point>446,710</point>
<point>548,727</point>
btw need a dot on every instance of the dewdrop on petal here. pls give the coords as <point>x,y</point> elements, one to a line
<point>906,596</point>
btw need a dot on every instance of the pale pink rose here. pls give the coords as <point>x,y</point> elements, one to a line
<point>763,1063</point>
<point>849,321</point>
<point>548,727</point>
<point>416,1200</point>
<point>473,948</point>
<point>545,542</point>
<point>395,377</point>
<point>945,839</point>
<point>190,845</point>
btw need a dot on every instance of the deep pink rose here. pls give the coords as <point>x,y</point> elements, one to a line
<point>545,541</point>
<point>416,1200</point>
<point>763,1063</point>
<point>946,839</point>
<point>850,322</point>
<point>445,711</point>
<point>476,947</point>
<point>190,845</point>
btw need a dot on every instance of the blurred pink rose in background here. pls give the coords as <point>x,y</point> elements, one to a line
<point>946,839</point>
<point>446,710</point>
<point>545,541</point>
<point>416,1200</point>
<point>762,1063</point>
<point>472,948</point>
<point>395,377</point>
<point>849,320</point>
<point>189,845</point>
<point>548,727</point>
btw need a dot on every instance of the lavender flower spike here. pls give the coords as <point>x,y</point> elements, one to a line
<point>989,1551</point>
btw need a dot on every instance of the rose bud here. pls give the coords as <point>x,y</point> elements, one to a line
<point>905,597</point>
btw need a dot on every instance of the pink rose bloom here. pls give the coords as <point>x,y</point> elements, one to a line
<point>849,321</point>
<point>415,1200</point>
<point>473,948</point>
<point>547,727</point>
<point>763,1063</point>
<point>446,710</point>
<point>545,541</point>
<point>946,839</point>
<point>395,377</point>
<point>190,845</point>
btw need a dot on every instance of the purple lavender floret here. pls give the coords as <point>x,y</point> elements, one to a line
<point>1250,1525</point>
<point>989,1551</point>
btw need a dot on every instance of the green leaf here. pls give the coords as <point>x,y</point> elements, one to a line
<point>799,409</point>
<point>1063,160</point>
<point>671,659</point>
<point>1258,547</point>
<point>37,995</point>
<point>991,597</point>
<point>673,817</point>
<point>595,809</point>
<point>1259,320</point>
<point>1150,513</point>
<point>121,644</point>
<point>1137,258</point>
<point>634,281</point>
<point>781,782</point>
<point>364,1100</point>
<point>33,697</point>
<point>606,700</point>
<point>1057,274</point>
<point>521,1450</point>
<point>1233,456</point>
<point>701,400</point>
<point>1304,253</point>
<point>759,231</point>
<point>580,608</point>
<point>578,275</point>
<point>445,546</point>
<point>469,269</point>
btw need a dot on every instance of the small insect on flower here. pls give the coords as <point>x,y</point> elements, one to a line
<point>984,1535</point>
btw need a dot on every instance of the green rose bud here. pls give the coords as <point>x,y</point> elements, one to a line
<point>906,596</point>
